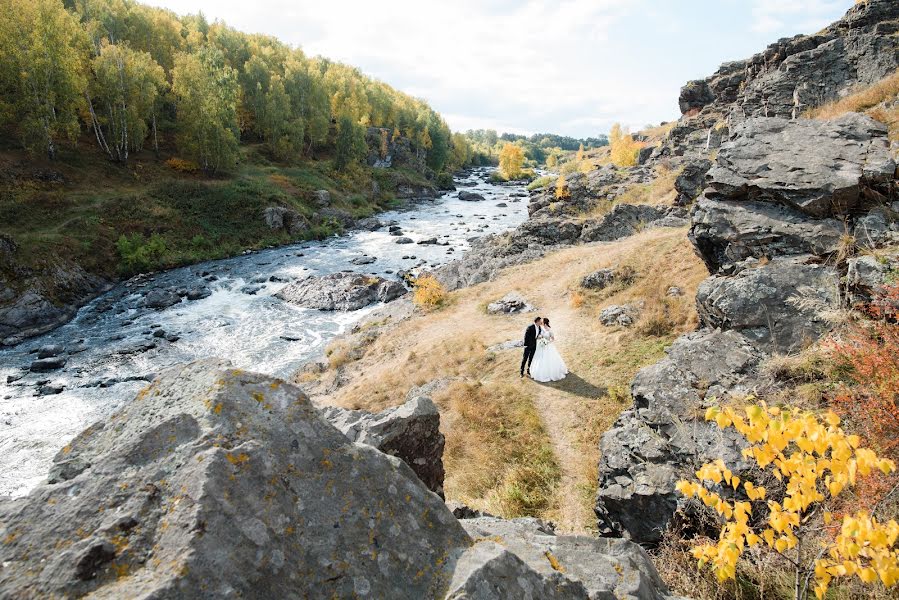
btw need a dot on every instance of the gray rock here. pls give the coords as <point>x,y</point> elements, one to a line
<point>623,221</point>
<point>363,260</point>
<point>403,240</point>
<point>411,432</point>
<point>467,196</point>
<point>674,292</point>
<point>511,303</point>
<point>160,299</point>
<point>50,389</point>
<point>822,168</point>
<point>727,232</point>
<point>866,274</point>
<point>878,228</point>
<point>216,483</point>
<point>507,345</point>
<point>50,351</point>
<point>694,96</point>
<point>341,291</point>
<point>369,224</point>
<point>781,306</point>
<point>664,437</point>
<point>428,242</point>
<point>621,315</point>
<point>598,280</point>
<point>691,181</point>
<point>322,198</point>
<point>44,365</point>
<point>606,568</point>
<point>198,293</point>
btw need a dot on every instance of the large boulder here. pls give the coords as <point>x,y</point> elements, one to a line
<point>695,95</point>
<point>821,168</point>
<point>691,181</point>
<point>624,220</point>
<point>160,298</point>
<point>411,432</point>
<point>781,306</point>
<point>663,437</point>
<point>727,232</point>
<point>511,303</point>
<point>341,291</point>
<point>215,482</point>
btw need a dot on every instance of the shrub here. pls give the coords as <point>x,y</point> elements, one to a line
<point>511,161</point>
<point>138,254</point>
<point>562,188</point>
<point>444,181</point>
<point>182,166</point>
<point>540,182</point>
<point>815,460</point>
<point>624,149</point>
<point>428,292</point>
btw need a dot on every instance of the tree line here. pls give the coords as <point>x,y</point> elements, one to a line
<point>130,75</point>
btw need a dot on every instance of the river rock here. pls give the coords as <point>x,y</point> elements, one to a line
<point>50,351</point>
<point>369,224</point>
<point>781,306</point>
<point>411,432</point>
<point>511,303</point>
<point>403,240</point>
<point>363,260</point>
<point>727,232</point>
<point>467,196</point>
<point>821,168</point>
<point>341,291</point>
<point>44,365</point>
<point>160,299</point>
<point>198,293</point>
<point>428,242</point>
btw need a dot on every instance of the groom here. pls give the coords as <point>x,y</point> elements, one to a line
<point>530,344</point>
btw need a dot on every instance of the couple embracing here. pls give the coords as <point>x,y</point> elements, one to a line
<point>541,359</point>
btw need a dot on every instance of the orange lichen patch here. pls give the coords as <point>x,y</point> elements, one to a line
<point>276,384</point>
<point>9,539</point>
<point>326,464</point>
<point>554,562</point>
<point>217,409</point>
<point>121,570</point>
<point>258,396</point>
<point>237,459</point>
<point>288,531</point>
<point>66,449</point>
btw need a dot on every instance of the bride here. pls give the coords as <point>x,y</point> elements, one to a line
<point>548,364</point>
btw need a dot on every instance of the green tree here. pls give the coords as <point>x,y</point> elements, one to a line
<point>42,59</point>
<point>123,97</point>
<point>350,147</point>
<point>206,91</point>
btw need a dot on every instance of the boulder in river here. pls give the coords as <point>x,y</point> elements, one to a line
<point>50,351</point>
<point>43,365</point>
<point>403,240</point>
<point>160,298</point>
<point>467,196</point>
<point>341,291</point>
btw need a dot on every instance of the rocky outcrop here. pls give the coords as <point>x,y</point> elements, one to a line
<point>341,291</point>
<point>511,303</point>
<point>411,432</point>
<point>216,482</point>
<point>287,219</point>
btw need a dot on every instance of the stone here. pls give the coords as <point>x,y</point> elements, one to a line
<point>624,220</point>
<point>428,242</point>
<point>198,293</point>
<point>50,389</point>
<point>821,168</point>
<point>363,260</point>
<point>507,345</point>
<point>322,198</point>
<point>403,240</point>
<point>620,315</point>
<point>691,181</point>
<point>782,306</point>
<point>878,228</point>
<point>369,224</point>
<point>159,333</point>
<point>511,303</point>
<point>159,299</point>
<point>219,482</point>
<point>866,274</point>
<point>674,292</point>
<point>44,365</point>
<point>411,432</point>
<point>467,196</point>
<point>598,280</point>
<point>341,291</point>
<point>727,232</point>
<point>663,437</point>
<point>644,154</point>
<point>694,96</point>
<point>50,351</point>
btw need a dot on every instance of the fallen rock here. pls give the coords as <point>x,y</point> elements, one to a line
<point>616,314</point>
<point>511,303</point>
<point>341,291</point>
<point>411,432</point>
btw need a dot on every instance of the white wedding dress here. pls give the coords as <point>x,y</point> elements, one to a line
<point>547,364</point>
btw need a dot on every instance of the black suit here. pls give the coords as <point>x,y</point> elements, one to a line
<point>530,346</point>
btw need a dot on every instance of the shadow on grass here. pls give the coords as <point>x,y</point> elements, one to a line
<point>574,384</point>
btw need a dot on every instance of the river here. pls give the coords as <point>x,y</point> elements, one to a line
<point>114,344</point>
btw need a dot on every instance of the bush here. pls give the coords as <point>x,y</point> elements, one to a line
<point>444,181</point>
<point>139,254</point>
<point>428,292</point>
<point>183,166</point>
<point>540,182</point>
<point>623,148</point>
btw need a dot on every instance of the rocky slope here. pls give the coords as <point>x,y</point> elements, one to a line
<point>219,483</point>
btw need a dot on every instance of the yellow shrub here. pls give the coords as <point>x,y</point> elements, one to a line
<point>562,187</point>
<point>428,291</point>
<point>511,161</point>
<point>624,149</point>
<point>182,166</point>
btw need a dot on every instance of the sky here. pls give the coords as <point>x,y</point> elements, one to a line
<point>571,67</point>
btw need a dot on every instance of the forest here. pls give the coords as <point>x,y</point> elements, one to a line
<point>133,76</point>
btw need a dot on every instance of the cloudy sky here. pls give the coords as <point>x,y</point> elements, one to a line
<point>566,66</point>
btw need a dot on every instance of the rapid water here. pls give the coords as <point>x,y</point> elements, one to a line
<point>111,349</point>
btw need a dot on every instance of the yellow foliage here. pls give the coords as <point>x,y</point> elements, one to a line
<point>580,153</point>
<point>562,187</point>
<point>816,460</point>
<point>182,166</point>
<point>511,160</point>
<point>428,291</point>
<point>623,148</point>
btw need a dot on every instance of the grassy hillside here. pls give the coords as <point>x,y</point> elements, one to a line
<point>515,447</point>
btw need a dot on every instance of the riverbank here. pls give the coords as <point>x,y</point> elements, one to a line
<point>73,227</point>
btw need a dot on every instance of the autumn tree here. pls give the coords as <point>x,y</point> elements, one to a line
<point>350,148</point>
<point>562,188</point>
<point>42,67</point>
<point>206,90</point>
<point>123,97</point>
<point>623,148</point>
<point>580,153</point>
<point>511,161</point>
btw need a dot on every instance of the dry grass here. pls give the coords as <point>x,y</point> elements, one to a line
<point>871,100</point>
<point>660,192</point>
<point>496,456</point>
